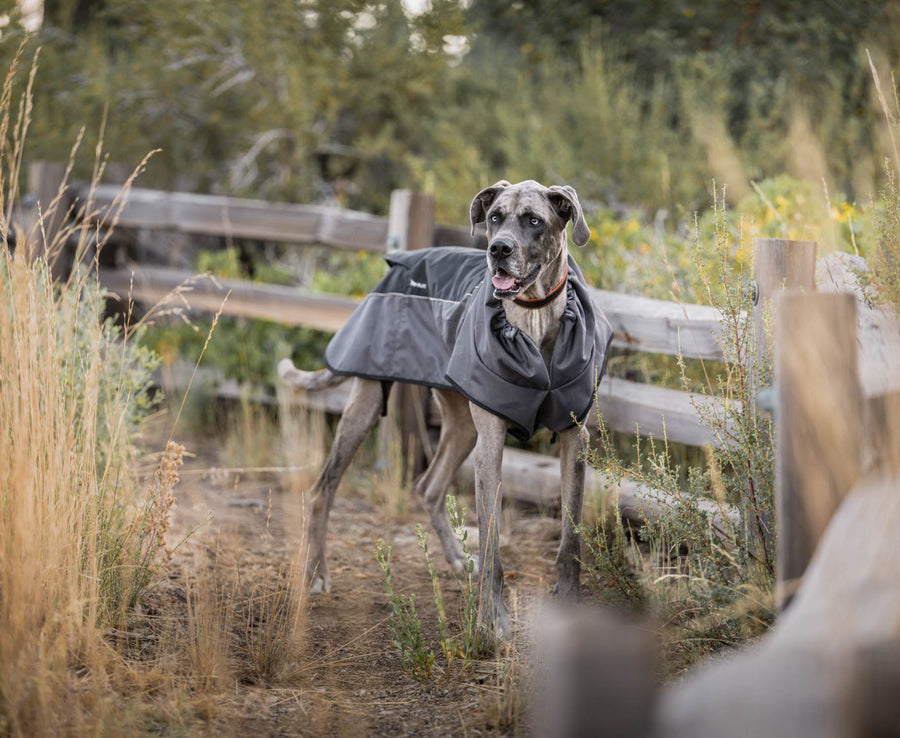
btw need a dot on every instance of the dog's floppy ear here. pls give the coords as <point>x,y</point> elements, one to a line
<point>565,200</point>
<point>482,201</point>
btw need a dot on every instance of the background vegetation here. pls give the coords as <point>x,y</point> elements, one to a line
<point>631,102</point>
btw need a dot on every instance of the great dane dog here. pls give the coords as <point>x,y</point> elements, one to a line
<point>525,272</point>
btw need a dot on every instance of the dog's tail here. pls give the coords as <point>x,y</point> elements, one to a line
<point>311,381</point>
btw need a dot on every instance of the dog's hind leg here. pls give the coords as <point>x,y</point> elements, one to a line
<point>457,440</point>
<point>359,416</point>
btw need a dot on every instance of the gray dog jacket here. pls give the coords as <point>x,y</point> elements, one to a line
<point>433,320</point>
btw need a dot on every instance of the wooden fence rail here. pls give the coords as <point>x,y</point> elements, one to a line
<point>233,217</point>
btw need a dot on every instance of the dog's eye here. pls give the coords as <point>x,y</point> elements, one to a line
<point>534,221</point>
<point>494,218</point>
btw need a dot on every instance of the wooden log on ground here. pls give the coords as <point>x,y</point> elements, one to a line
<point>534,478</point>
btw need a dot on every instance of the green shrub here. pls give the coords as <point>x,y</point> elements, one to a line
<point>710,566</point>
<point>416,656</point>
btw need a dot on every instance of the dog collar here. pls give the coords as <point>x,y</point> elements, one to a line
<point>537,302</point>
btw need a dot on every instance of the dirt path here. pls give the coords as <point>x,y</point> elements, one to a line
<point>348,680</point>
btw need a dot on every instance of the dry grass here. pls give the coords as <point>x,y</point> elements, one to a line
<point>81,542</point>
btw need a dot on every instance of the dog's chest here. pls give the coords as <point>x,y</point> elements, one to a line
<point>541,326</point>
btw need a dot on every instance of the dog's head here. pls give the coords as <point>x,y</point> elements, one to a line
<point>526,230</point>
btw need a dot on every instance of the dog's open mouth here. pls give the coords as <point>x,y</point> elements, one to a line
<point>506,285</point>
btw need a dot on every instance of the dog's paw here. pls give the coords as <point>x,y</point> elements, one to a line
<point>566,590</point>
<point>320,585</point>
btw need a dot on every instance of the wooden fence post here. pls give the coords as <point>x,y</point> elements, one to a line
<point>45,181</point>
<point>818,424</point>
<point>411,227</point>
<point>778,264</point>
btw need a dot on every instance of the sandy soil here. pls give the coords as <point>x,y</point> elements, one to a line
<point>348,679</point>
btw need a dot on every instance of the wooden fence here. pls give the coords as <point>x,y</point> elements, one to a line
<point>640,324</point>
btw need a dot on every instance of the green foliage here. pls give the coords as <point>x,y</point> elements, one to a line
<point>130,540</point>
<point>415,655</point>
<point>884,273</point>
<point>473,642</point>
<point>127,396</point>
<point>244,350</point>
<point>629,252</point>
<point>344,101</point>
<point>459,644</point>
<point>449,646</point>
<point>349,273</point>
<point>710,565</point>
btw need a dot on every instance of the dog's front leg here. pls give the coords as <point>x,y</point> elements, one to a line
<point>492,612</point>
<point>572,472</point>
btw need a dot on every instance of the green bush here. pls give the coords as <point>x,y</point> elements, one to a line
<point>708,568</point>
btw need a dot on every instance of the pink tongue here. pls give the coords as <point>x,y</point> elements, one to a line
<point>504,283</point>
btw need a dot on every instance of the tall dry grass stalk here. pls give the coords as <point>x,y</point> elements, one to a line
<point>75,547</point>
<point>392,483</point>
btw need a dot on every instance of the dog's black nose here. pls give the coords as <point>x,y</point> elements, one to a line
<point>500,249</point>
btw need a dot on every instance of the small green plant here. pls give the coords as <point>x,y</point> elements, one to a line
<point>884,272</point>
<point>449,645</point>
<point>613,554</point>
<point>470,642</point>
<point>472,638</point>
<point>885,261</point>
<point>417,658</point>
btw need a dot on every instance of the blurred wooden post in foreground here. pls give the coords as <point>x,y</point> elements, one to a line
<point>411,227</point>
<point>596,674</point>
<point>819,424</point>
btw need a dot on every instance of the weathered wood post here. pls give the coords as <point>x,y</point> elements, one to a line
<point>883,433</point>
<point>778,264</point>
<point>411,227</point>
<point>818,424</point>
